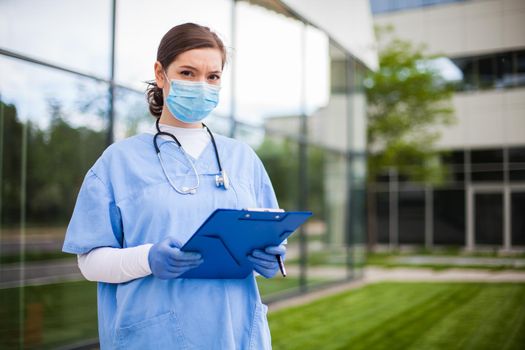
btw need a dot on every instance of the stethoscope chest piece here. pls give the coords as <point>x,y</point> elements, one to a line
<point>222,180</point>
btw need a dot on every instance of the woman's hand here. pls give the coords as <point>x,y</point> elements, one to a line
<point>265,262</point>
<point>167,261</point>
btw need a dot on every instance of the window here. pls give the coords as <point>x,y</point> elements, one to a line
<point>498,70</point>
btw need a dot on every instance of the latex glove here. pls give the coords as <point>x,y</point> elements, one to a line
<point>265,262</point>
<point>167,261</point>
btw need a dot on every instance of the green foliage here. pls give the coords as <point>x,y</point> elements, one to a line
<point>57,161</point>
<point>407,99</point>
<point>281,160</point>
<point>53,315</point>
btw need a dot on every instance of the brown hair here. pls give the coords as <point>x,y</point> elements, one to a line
<point>177,40</point>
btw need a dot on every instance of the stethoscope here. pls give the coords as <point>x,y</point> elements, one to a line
<point>221,179</point>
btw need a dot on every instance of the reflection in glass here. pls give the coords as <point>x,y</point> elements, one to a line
<point>52,130</point>
<point>449,216</point>
<point>70,33</point>
<point>268,65</point>
<point>468,68</point>
<point>487,165</point>
<point>487,72</point>
<point>412,217</point>
<point>520,68</point>
<point>382,215</point>
<point>504,70</point>
<point>488,219</point>
<point>518,219</point>
<point>516,163</point>
<point>279,157</point>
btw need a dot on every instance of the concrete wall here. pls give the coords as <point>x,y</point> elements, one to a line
<point>464,28</point>
<point>492,118</point>
<point>489,118</point>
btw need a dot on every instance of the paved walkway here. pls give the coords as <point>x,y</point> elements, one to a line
<point>375,274</point>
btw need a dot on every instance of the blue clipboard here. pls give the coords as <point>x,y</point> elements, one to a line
<point>228,236</point>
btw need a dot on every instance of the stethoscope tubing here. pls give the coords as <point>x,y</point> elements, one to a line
<point>189,190</point>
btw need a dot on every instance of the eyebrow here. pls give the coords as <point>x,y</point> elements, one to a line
<point>193,68</point>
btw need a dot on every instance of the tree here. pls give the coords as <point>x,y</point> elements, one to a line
<point>407,100</point>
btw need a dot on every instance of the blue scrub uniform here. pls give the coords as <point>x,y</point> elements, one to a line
<point>125,201</point>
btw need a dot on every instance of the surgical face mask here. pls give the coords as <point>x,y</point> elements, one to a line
<point>191,101</point>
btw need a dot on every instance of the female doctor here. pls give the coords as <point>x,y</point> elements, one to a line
<point>147,194</point>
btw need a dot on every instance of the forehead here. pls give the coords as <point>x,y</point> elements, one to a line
<point>203,58</point>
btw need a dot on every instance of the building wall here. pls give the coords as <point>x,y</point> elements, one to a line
<point>491,118</point>
<point>468,28</point>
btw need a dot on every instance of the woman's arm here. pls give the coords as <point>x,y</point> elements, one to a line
<point>115,265</point>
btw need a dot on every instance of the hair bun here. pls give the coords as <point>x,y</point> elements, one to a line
<point>155,98</point>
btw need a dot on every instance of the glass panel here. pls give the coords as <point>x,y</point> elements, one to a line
<point>504,71</point>
<point>72,33</point>
<point>279,157</point>
<point>454,161</point>
<point>328,194</point>
<point>488,218</point>
<point>329,126</point>
<point>317,68</point>
<point>517,218</point>
<point>520,68</point>
<point>468,68</point>
<point>357,109</point>
<point>60,122</point>
<point>487,72</point>
<point>517,163</point>
<point>131,114</point>
<point>358,214</point>
<point>449,216</point>
<point>136,45</point>
<point>412,217</point>
<point>383,210</point>
<point>268,85</point>
<point>487,165</point>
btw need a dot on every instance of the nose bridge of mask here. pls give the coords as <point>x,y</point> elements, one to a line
<point>192,88</point>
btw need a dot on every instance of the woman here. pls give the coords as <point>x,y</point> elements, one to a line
<point>135,210</point>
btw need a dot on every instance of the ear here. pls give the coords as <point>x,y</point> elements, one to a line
<point>160,78</point>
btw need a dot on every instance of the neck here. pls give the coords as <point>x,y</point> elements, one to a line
<point>167,118</point>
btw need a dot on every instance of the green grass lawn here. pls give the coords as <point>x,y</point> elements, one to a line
<point>379,316</point>
<point>407,316</point>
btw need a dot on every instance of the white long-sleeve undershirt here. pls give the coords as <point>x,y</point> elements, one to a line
<point>115,265</point>
<point>119,265</point>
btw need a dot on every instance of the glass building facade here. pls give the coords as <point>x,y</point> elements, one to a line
<point>72,81</point>
<point>479,206</point>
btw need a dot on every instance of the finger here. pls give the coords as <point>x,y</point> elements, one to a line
<point>179,255</point>
<point>182,268</point>
<point>263,263</point>
<point>264,256</point>
<point>276,250</point>
<point>185,263</point>
<point>173,242</point>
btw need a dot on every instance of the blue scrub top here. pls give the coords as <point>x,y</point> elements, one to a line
<point>125,201</point>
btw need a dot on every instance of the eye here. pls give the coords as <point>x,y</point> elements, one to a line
<point>214,77</point>
<point>186,73</point>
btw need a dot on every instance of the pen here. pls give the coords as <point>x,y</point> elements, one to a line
<point>281,265</point>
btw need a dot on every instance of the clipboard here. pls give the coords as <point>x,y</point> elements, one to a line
<point>228,236</point>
